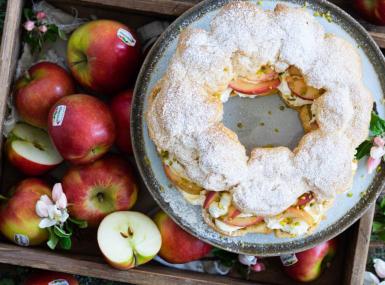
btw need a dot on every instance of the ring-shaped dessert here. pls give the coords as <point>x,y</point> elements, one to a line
<point>251,52</point>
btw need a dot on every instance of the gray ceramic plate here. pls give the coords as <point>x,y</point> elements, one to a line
<point>245,116</point>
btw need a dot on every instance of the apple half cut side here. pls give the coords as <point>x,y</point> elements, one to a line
<point>31,150</point>
<point>260,88</point>
<point>128,239</point>
<point>181,182</point>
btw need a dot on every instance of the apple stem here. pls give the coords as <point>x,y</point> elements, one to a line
<point>100,197</point>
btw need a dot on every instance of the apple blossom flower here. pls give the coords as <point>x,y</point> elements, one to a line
<point>52,212</point>
<point>40,15</point>
<point>247,260</point>
<point>379,267</point>
<point>43,29</point>
<point>29,25</point>
<point>370,278</point>
<point>376,153</point>
<point>258,267</point>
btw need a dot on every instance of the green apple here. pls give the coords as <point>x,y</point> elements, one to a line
<point>128,239</point>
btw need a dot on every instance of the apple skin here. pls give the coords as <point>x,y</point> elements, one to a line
<point>311,262</point>
<point>87,130</point>
<point>42,86</point>
<point>18,216</point>
<point>178,246</point>
<point>371,10</point>
<point>121,110</point>
<point>97,189</point>
<point>45,277</point>
<point>24,164</point>
<point>99,60</point>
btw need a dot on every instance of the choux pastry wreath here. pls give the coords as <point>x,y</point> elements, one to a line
<point>251,52</point>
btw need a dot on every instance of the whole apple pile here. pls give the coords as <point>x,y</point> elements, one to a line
<point>73,119</point>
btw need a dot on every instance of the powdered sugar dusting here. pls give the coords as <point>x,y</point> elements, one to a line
<point>185,113</point>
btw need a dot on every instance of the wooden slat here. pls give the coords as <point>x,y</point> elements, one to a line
<point>357,252</point>
<point>96,267</point>
<point>8,54</point>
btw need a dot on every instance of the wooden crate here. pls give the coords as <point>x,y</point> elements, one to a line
<point>84,258</point>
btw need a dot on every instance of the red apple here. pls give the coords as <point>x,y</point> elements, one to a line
<point>259,88</point>
<point>104,55</point>
<point>81,128</point>
<point>121,111</point>
<point>31,150</point>
<point>97,189</point>
<point>51,278</point>
<point>18,220</point>
<point>312,262</point>
<point>41,87</point>
<point>178,246</point>
<point>371,10</point>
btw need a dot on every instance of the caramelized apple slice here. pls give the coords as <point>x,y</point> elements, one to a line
<point>233,212</point>
<point>242,221</point>
<point>296,213</point>
<point>266,73</point>
<point>298,86</point>
<point>181,182</point>
<point>211,196</point>
<point>254,88</point>
<point>306,118</point>
<point>304,199</point>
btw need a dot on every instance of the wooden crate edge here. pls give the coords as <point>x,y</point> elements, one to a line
<point>357,251</point>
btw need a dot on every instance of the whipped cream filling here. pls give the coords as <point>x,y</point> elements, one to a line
<point>296,227</point>
<point>225,227</point>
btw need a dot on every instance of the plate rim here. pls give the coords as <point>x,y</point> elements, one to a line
<point>151,183</point>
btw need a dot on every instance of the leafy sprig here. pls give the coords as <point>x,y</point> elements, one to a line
<point>61,234</point>
<point>377,128</point>
<point>40,31</point>
<point>379,220</point>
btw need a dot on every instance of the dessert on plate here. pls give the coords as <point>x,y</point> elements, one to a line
<point>251,52</point>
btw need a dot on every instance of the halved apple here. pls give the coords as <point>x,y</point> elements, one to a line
<point>260,88</point>
<point>181,182</point>
<point>31,150</point>
<point>128,239</point>
<point>211,197</point>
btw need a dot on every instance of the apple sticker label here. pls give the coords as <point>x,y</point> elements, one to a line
<point>289,259</point>
<point>58,115</point>
<point>21,240</point>
<point>126,37</point>
<point>59,282</point>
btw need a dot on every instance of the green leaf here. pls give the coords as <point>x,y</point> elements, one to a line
<point>226,258</point>
<point>65,243</point>
<point>381,235</point>
<point>382,203</point>
<point>7,281</point>
<point>61,233</point>
<point>377,227</point>
<point>80,223</point>
<point>28,13</point>
<point>53,239</point>
<point>363,149</point>
<point>62,35</point>
<point>377,125</point>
